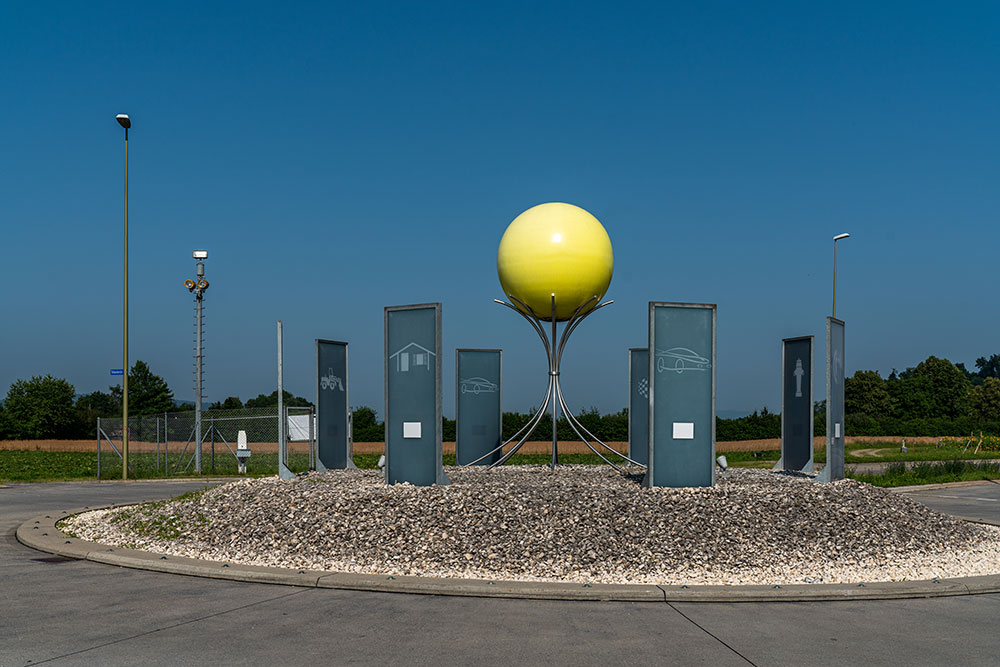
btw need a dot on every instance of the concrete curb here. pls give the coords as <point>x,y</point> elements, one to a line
<point>41,533</point>
<point>941,485</point>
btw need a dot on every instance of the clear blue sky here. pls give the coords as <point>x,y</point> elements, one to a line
<point>335,158</point>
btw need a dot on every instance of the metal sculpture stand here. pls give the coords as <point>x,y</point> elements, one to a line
<point>554,351</point>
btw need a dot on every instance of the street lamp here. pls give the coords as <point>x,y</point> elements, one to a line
<point>198,287</point>
<point>126,123</point>
<point>835,239</point>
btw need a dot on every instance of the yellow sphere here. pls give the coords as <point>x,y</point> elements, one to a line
<point>556,249</point>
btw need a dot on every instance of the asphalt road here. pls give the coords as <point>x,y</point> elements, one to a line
<point>977,501</point>
<point>59,612</point>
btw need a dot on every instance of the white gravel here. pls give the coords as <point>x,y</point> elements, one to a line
<point>579,523</point>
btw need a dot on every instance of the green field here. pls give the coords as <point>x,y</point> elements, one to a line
<point>891,451</point>
<point>42,466</point>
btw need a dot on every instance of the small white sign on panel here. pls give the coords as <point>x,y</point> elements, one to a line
<point>411,430</point>
<point>836,430</point>
<point>683,430</point>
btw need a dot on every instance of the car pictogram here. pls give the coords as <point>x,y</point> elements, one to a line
<point>680,359</point>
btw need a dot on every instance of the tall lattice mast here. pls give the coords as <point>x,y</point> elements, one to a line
<point>198,287</point>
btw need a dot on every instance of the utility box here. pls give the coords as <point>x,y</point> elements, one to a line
<point>242,451</point>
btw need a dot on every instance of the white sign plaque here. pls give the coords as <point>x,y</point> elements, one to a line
<point>683,430</point>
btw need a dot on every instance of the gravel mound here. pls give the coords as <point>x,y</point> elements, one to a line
<point>579,523</point>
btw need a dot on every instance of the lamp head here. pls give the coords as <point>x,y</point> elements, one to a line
<point>840,236</point>
<point>200,254</point>
<point>124,120</point>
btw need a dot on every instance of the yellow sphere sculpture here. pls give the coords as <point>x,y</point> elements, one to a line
<point>556,249</point>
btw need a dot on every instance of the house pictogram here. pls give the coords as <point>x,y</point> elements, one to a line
<point>412,355</point>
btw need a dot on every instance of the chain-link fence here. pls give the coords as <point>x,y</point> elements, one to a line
<point>165,444</point>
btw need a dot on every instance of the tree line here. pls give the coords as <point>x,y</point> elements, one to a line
<point>936,397</point>
<point>48,408</point>
<point>609,428</point>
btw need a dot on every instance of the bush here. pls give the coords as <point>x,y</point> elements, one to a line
<point>752,427</point>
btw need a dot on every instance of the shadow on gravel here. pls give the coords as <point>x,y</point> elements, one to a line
<point>635,477</point>
<point>794,473</point>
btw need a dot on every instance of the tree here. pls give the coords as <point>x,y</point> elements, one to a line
<point>365,425</point>
<point>989,368</point>
<point>912,398</point>
<point>865,394</point>
<point>948,385</point>
<point>973,377</point>
<point>364,417</point>
<point>231,403</point>
<point>984,401</point>
<point>40,408</point>
<point>93,405</point>
<point>148,393</point>
<point>271,400</point>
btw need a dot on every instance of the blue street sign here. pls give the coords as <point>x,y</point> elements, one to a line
<point>117,371</point>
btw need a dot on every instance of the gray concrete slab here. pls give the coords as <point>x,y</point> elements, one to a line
<point>940,631</point>
<point>84,613</point>
<point>345,628</point>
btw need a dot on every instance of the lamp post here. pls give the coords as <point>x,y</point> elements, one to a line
<point>835,239</point>
<point>126,123</point>
<point>198,287</point>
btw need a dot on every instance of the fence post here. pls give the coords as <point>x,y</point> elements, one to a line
<point>98,448</point>
<point>157,444</point>
<point>166,446</point>
<point>312,441</point>
<point>212,426</point>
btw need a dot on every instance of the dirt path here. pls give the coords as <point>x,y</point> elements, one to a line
<point>868,452</point>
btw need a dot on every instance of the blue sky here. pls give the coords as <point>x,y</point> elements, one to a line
<point>335,158</point>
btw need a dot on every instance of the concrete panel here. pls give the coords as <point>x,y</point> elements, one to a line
<point>413,394</point>
<point>333,437</point>
<point>797,404</point>
<point>638,404</point>
<point>681,394</point>
<point>478,431</point>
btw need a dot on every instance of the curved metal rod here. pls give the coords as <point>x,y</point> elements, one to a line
<point>573,322</point>
<point>532,423</point>
<point>536,324</point>
<point>588,314</point>
<point>538,419</point>
<point>572,419</point>
<point>579,435</point>
<point>573,325</point>
<point>532,319</point>
<point>568,329</point>
<point>544,404</point>
<point>553,353</point>
<point>535,418</point>
<point>572,328</point>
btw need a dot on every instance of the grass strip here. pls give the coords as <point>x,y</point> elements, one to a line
<point>898,474</point>
<point>43,466</point>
